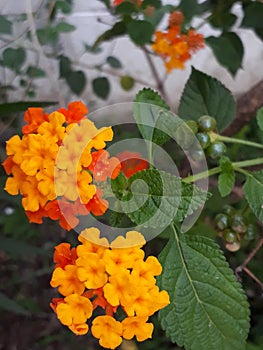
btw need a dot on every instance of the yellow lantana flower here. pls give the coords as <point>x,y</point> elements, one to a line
<point>137,326</point>
<point>67,280</point>
<point>74,311</point>
<point>108,331</point>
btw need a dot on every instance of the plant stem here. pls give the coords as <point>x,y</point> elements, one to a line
<point>234,140</point>
<point>237,166</point>
<point>159,82</point>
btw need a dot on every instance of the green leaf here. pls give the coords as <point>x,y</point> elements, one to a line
<point>208,310</point>
<point>35,72</point>
<point>205,95</point>
<point>260,118</point>
<point>125,8</point>
<point>64,6</point>
<point>14,58</point>
<point>7,108</point>
<point>91,49</point>
<point>190,8</point>
<point>47,35</point>
<point>253,190</point>
<point>20,249</point>
<point>253,14</point>
<point>154,199</point>
<point>8,304</point>
<point>226,179</point>
<point>127,82</point>
<point>76,81</point>
<point>118,29</point>
<point>64,27</point>
<point>114,62</point>
<point>158,15</point>
<point>5,25</point>
<point>140,31</point>
<point>228,50</point>
<point>119,184</point>
<point>157,124</point>
<point>101,87</point>
<point>106,3</point>
<point>148,116</point>
<point>223,20</point>
<point>64,66</point>
<point>155,3</point>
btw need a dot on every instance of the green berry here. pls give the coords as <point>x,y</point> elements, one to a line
<point>192,125</point>
<point>197,154</point>
<point>222,221</point>
<point>238,223</point>
<point>206,123</point>
<point>216,150</point>
<point>251,232</point>
<point>228,210</point>
<point>203,139</point>
<point>230,236</point>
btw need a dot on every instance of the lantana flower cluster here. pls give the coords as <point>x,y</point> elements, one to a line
<point>97,278</point>
<point>55,164</point>
<point>174,46</point>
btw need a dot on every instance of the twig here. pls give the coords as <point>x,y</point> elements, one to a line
<point>110,72</point>
<point>40,51</point>
<point>243,266</point>
<point>253,277</point>
<point>159,82</point>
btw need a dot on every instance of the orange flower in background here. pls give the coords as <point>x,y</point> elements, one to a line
<point>33,117</point>
<point>113,278</point>
<point>135,2</point>
<point>55,163</point>
<point>75,112</point>
<point>175,47</point>
<point>132,162</point>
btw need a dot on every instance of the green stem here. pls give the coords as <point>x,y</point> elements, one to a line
<point>237,166</point>
<point>234,140</point>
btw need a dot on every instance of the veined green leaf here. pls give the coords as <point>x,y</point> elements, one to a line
<point>155,199</point>
<point>253,190</point>
<point>205,95</point>
<point>208,310</point>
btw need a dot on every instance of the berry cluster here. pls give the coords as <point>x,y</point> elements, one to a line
<point>233,227</point>
<point>203,129</point>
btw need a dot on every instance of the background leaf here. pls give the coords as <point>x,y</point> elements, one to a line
<point>8,304</point>
<point>228,50</point>
<point>76,81</point>
<point>127,82</point>
<point>114,62</point>
<point>14,58</point>
<point>64,27</point>
<point>101,87</point>
<point>208,309</point>
<point>5,25</point>
<point>253,14</point>
<point>253,190</point>
<point>118,29</point>
<point>205,95</point>
<point>13,107</point>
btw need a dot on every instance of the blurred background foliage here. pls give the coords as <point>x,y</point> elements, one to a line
<point>40,64</point>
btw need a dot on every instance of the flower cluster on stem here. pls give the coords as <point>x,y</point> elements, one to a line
<point>110,277</point>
